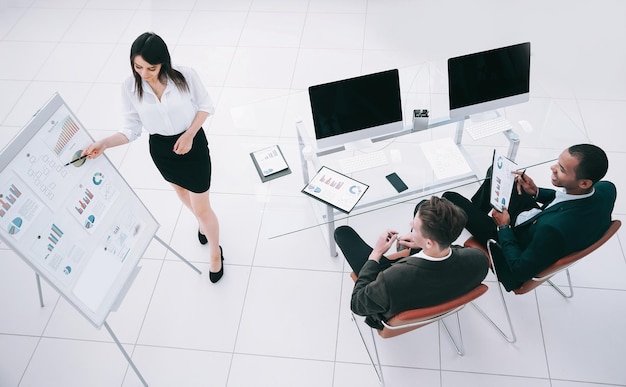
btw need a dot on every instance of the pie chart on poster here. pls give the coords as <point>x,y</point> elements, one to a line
<point>15,226</point>
<point>89,222</point>
<point>76,156</point>
<point>97,178</point>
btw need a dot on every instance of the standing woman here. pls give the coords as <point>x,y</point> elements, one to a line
<point>171,104</point>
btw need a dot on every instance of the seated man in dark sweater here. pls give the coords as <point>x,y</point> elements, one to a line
<point>436,273</point>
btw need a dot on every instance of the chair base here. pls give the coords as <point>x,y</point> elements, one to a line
<point>375,359</point>
<point>375,363</point>
<point>459,347</point>
<point>569,284</point>
<point>512,338</point>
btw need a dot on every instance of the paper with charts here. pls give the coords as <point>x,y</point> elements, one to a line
<point>445,158</point>
<point>335,189</point>
<point>502,180</point>
<point>270,160</point>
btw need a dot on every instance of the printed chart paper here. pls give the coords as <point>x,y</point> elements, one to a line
<point>445,158</point>
<point>335,189</point>
<point>270,163</point>
<point>502,180</point>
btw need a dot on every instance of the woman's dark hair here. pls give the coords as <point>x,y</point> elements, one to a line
<point>153,50</point>
<point>442,220</point>
<point>592,162</point>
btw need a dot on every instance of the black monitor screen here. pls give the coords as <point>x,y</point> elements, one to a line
<point>489,75</point>
<point>357,103</point>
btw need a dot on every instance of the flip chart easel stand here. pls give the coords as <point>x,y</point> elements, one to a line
<point>77,223</point>
<point>106,325</point>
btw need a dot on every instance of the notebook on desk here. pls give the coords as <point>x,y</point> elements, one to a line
<point>335,189</point>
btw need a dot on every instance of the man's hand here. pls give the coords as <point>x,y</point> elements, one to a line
<point>524,182</point>
<point>501,218</point>
<point>406,242</point>
<point>383,243</point>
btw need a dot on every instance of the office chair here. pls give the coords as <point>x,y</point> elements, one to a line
<point>562,264</point>
<point>409,320</point>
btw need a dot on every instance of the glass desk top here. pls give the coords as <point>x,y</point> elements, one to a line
<point>542,128</point>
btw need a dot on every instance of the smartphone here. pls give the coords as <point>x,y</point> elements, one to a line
<point>396,182</point>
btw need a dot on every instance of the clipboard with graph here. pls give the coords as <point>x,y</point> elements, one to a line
<point>270,163</point>
<point>335,189</point>
<point>502,181</point>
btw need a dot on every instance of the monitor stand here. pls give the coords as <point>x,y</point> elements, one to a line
<point>484,116</point>
<point>359,145</point>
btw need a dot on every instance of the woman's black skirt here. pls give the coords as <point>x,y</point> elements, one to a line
<point>192,170</point>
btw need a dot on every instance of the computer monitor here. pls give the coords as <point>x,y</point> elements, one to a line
<point>360,108</point>
<point>489,80</point>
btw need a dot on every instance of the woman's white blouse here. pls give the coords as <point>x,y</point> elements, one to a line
<point>172,115</point>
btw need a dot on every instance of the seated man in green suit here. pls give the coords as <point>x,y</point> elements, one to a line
<point>533,236</point>
<point>437,273</point>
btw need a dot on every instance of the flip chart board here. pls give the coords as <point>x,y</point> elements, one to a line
<point>76,222</point>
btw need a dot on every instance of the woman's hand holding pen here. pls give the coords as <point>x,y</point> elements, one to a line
<point>97,148</point>
<point>94,150</point>
<point>525,182</point>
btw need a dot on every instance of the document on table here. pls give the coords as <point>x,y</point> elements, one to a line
<point>270,160</point>
<point>445,158</point>
<point>502,180</point>
<point>335,189</point>
<point>270,163</point>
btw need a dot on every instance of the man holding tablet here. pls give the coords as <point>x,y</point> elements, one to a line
<point>532,236</point>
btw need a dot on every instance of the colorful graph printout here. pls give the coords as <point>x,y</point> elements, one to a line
<point>18,206</point>
<point>91,200</point>
<point>270,163</point>
<point>68,130</point>
<point>502,180</point>
<point>270,160</point>
<point>335,189</point>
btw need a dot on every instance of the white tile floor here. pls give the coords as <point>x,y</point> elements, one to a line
<point>280,315</point>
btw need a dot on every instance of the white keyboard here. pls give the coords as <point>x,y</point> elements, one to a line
<point>486,128</point>
<point>363,161</point>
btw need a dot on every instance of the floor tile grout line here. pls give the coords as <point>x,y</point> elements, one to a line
<point>156,282</point>
<point>543,335</point>
<point>243,304</point>
<point>41,337</point>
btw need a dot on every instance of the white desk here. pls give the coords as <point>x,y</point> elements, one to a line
<point>423,86</point>
<point>407,159</point>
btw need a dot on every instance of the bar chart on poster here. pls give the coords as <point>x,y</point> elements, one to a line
<point>74,220</point>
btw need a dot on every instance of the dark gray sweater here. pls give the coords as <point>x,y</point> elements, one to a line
<point>414,282</point>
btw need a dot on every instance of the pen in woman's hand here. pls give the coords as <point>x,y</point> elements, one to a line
<point>78,159</point>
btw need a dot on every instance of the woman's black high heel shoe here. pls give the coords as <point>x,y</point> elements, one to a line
<point>202,238</point>
<point>214,277</point>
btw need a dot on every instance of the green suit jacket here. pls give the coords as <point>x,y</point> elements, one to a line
<point>557,231</point>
